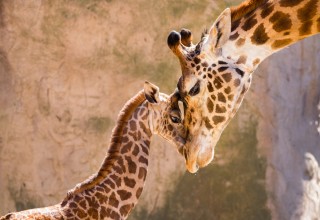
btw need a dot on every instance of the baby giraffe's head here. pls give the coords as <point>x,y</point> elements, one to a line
<point>166,114</point>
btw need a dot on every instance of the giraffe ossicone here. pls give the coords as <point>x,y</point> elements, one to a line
<point>113,191</point>
<point>217,71</point>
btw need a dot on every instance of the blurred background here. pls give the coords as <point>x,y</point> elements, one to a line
<point>66,69</point>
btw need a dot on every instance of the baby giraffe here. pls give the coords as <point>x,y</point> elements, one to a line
<point>114,190</point>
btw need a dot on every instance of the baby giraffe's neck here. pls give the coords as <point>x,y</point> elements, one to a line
<point>116,188</point>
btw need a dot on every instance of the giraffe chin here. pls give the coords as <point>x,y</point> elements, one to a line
<point>199,158</point>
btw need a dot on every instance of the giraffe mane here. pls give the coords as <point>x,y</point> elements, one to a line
<point>245,8</point>
<point>115,143</point>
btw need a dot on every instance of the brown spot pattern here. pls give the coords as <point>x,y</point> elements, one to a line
<point>281,21</point>
<point>217,82</point>
<point>129,182</point>
<point>136,150</point>
<point>220,109</point>
<point>144,160</point>
<point>113,200</point>
<point>207,123</point>
<point>308,11</point>
<point>249,23</point>
<point>218,119</point>
<point>210,105</point>
<point>126,148</point>
<point>240,42</point>
<point>124,194</point>
<point>259,35</point>
<point>256,62</point>
<point>221,97</point>
<point>138,193</point>
<point>132,167</point>
<point>267,9</point>
<point>234,36</point>
<point>305,28</point>
<point>318,24</point>
<point>289,3</point>
<point>142,173</point>
<point>125,209</point>
<point>227,77</point>
<point>280,43</point>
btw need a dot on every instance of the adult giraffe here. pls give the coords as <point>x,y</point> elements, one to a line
<point>217,71</point>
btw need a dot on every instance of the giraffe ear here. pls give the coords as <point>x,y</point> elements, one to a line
<point>220,31</point>
<point>151,92</point>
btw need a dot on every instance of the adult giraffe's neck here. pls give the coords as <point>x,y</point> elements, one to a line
<point>117,186</point>
<point>263,27</point>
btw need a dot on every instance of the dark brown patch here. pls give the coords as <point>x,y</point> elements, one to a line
<point>116,179</point>
<point>132,125</point>
<point>73,205</point>
<point>210,105</point>
<point>144,160</point>
<point>124,194</point>
<point>93,213</point>
<point>138,193</point>
<point>196,60</point>
<point>121,164</point>
<point>242,59</point>
<point>126,148</point>
<point>256,62</point>
<point>136,150</point>
<point>280,43</point>
<point>210,75</point>
<point>114,215</point>
<point>207,123</point>
<point>110,183</point>
<point>113,200</point>
<point>222,62</point>
<point>217,82</point>
<point>249,23</point>
<point>170,127</point>
<point>236,82</point>
<point>83,204</point>
<point>209,86</point>
<point>198,67</point>
<point>223,68</point>
<point>218,119</point>
<point>286,33</point>
<point>131,165</point>
<point>81,214</point>
<point>125,209</point>
<point>101,198</point>
<point>318,24</point>
<point>142,173</point>
<point>240,42</point>
<point>290,3</point>
<point>308,11</point>
<point>220,109</point>
<point>267,9</point>
<point>129,182</point>
<point>234,36</point>
<point>259,35</point>
<point>305,28</point>
<point>227,90</point>
<point>204,64</point>
<point>103,212</point>
<point>221,97</point>
<point>227,77</point>
<point>145,149</point>
<point>281,21</point>
<point>235,25</point>
<point>144,129</point>
<point>240,72</point>
<point>230,97</point>
<point>93,203</point>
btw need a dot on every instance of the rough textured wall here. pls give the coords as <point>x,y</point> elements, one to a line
<point>66,69</point>
<point>285,95</point>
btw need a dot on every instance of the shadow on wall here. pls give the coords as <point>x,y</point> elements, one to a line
<point>233,187</point>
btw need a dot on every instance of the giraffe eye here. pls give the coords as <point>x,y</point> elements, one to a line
<point>175,119</point>
<point>195,89</point>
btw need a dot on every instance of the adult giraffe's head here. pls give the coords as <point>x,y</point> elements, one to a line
<point>216,72</point>
<point>212,87</point>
